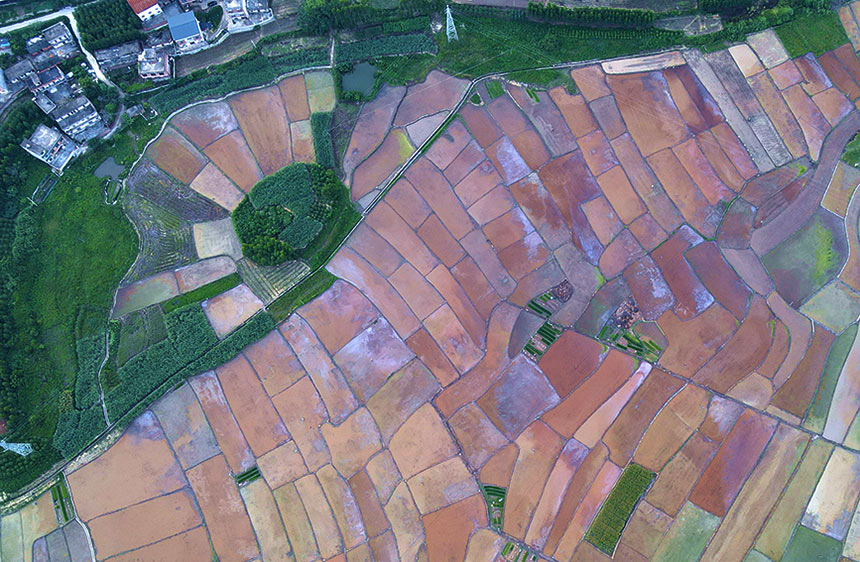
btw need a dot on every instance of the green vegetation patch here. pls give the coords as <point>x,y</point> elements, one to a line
<point>807,545</point>
<point>605,530</point>
<point>62,501</point>
<point>286,212</point>
<point>815,32</point>
<point>545,79</point>
<point>851,155</point>
<point>90,352</point>
<point>410,44</point>
<point>495,498</point>
<point>495,89</point>
<point>301,294</point>
<point>107,22</point>
<point>202,293</point>
<point>191,347</point>
<point>247,476</point>
<point>323,147</point>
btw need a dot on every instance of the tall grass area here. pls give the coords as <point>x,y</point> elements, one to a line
<point>488,45</point>
<point>816,33</point>
<point>63,294</point>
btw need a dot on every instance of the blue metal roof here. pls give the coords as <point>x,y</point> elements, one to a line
<point>183,26</point>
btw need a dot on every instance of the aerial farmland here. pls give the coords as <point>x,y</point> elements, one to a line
<point>548,284</point>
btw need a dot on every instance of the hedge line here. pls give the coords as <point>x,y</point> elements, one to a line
<point>622,17</point>
<point>385,46</point>
<point>301,294</point>
<point>202,293</point>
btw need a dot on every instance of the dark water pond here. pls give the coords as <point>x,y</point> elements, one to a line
<point>109,168</point>
<point>360,79</point>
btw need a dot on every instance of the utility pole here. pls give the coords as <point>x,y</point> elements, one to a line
<point>22,449</point>
<point>449,27</point>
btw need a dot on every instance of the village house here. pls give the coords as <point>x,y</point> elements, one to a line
<point>119,56</point>
<point>145,9</point>
<point>153,64</point>
<point>51,147</point>
<point>185,31</point>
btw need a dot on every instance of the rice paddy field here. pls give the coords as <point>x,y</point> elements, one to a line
<point>609,318</point>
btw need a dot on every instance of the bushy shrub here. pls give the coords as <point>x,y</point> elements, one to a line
<point>286,213</point>
<point>300,232</point>
<point>77,428</point>
<point>90,353</point>
<point>385,46</point>
<point>620,17</point>
<point>107,22</point>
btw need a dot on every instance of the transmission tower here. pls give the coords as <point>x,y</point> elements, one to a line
<point>450,28</point>
<point>22,449</point>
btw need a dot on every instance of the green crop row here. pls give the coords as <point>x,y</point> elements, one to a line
<point>605,530</point>
<point>413,43</point>
<point>202,293</point>
<point>321,126</point>
<point>248,476</point>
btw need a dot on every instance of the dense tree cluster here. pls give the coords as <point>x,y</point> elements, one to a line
<point>619,17</point>
<point>107,22</point>
<point>736,9</point>
<point>286,211</point>
<point>320,16</point>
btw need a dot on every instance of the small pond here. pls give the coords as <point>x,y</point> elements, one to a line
<point>360,79</point>
<point>109,168</point>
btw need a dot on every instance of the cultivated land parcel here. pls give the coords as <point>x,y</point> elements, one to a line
<point>609,321</point>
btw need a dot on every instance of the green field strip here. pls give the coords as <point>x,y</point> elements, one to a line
<point>248,476</point>
<point>202,293</point>
<point>689,535</point>
<point>63,507</point>
<point>605,531</point>
<point>817,416</point>
<point>807,545</point>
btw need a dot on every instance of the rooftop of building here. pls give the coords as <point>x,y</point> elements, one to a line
<point>183,26</point>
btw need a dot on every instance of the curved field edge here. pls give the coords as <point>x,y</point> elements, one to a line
<point>439,63</point>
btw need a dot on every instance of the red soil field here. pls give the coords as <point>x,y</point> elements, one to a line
<point>206,122</point>
<point>648,109</point>
<point>371,126</point>
<point>232,536</point>
<point>723,477</point>
<point>294,94</point>
<point>176,156</point>
<point>120,471</point>
<point>232,155</point>
<point>574,110</point>
<point>684,193</point>
<point>591,81</point>
<point>251,407</point>
<point>439,91</point>
<point>263,120</point>
<point>345,301</point>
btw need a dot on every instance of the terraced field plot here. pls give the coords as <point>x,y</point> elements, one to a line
<point>565,332</point>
